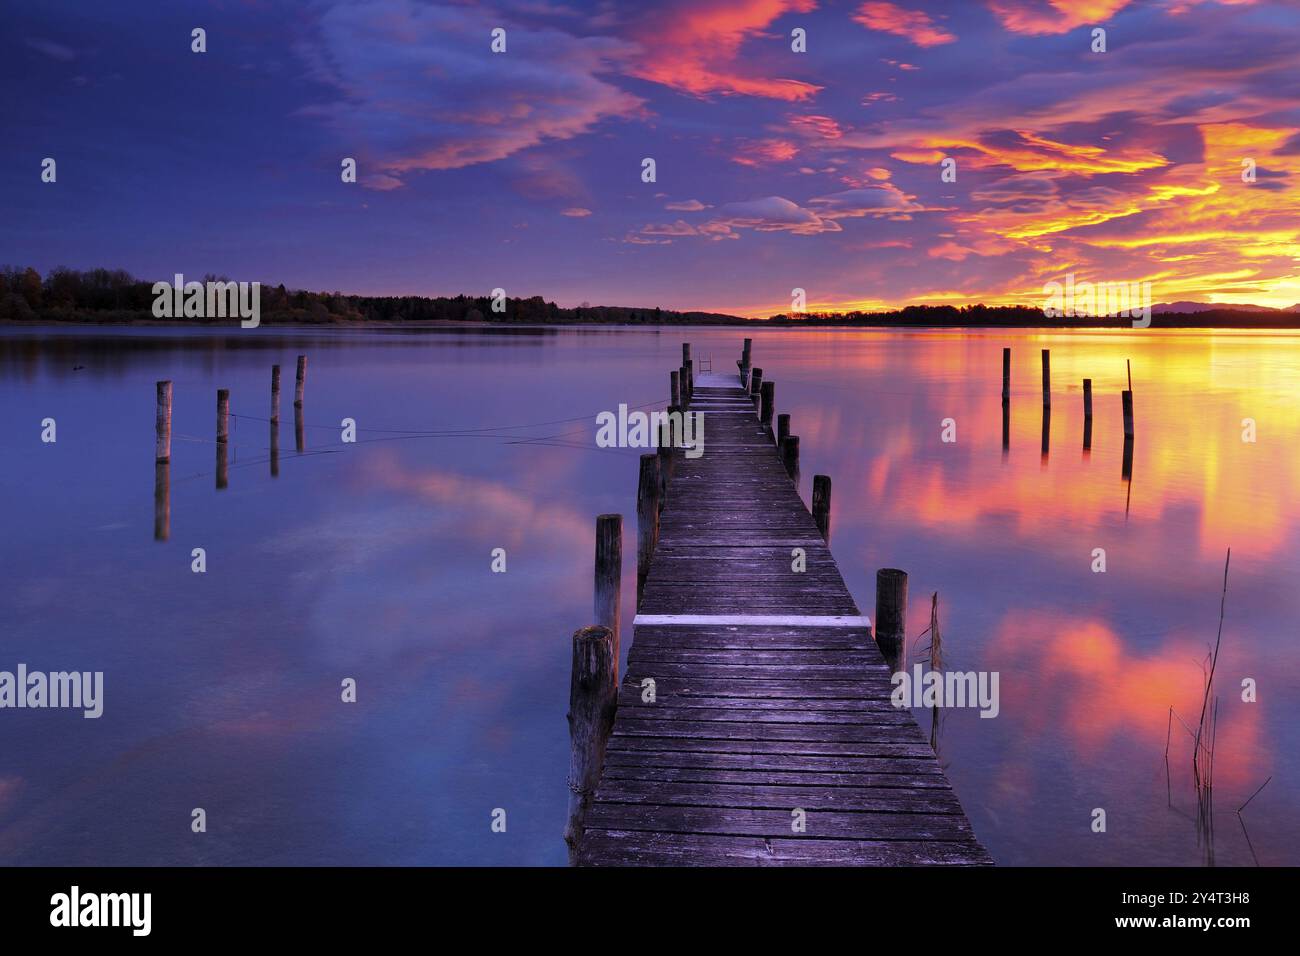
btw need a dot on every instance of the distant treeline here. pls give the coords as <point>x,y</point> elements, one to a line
<point>115,296</point>
<point>112,295</point>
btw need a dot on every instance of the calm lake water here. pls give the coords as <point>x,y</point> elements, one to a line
<point>372,561</point>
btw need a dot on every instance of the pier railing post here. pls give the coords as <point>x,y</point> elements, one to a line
<point>790,457</point>
<point>782,427</point>
<point>609,575</point>
<point>593,699</point>
<point>821,505</point>
<point>891,613</point>
<point>647,519</point>
<point>163,424</point>
<point>755,385</point>
<point>745,363</point>
<point>690,378</point>
<point>674,388</point>
<point>665,454</point>
<point>301,385</point>
<point>767,401</point>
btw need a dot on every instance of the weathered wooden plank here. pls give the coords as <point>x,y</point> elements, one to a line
<point>743,730</point>
<point>760,762</point>
<point>744,821</point>
<point>772,796</point>
<point>809,778</point>
<point>834,748</point>
<point>641,848</point>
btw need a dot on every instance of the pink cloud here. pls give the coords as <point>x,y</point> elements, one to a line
<point>914,25</point>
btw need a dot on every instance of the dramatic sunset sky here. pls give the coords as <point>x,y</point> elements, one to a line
<point>776,169</point>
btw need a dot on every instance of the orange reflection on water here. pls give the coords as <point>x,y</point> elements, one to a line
<point>1091,687</point>
<point>1194,393</point>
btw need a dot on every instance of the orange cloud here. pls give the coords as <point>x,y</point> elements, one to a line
<point>915,25</point>
<point>1036,17</point>
<point>695,48</point>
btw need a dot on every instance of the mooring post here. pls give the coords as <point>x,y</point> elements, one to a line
<point>665,454</point>
<point>690,378</point>
<point>301,385</point>
<point>790,457</point>
<point>683,399</point>
<point>1047,378</point>
<point>891,613</point>
<point>593,698</point>
<point>223,437</point>
<point>1087,398</point>
<point>223,414</point>
<point>162,500</point>
<point>275,449</point>
<point>674,388</point>
<point>275,394</point>
<point>755,385</point>
<point>686,352</point>
<point>1006,374</point>
<point>1127,398</point>
<point>745,362</point>
<point>782,427</point>
<point>163,424</point>
<point>299,430</point>
<point>647,519</point>
<point>767,401</point>
<point>821,505</point>
<point>609,575</point>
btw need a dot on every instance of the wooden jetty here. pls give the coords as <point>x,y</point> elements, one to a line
<point>754,724</point>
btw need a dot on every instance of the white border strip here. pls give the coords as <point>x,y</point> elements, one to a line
<point>780,620</point>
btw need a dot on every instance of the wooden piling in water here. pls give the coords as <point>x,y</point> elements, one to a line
<point>162,500</point>
<point>1087,398</point>
<point>790,457</point>
<point>891,612</point>
<point>745,363</point>
<point>275,394</point>
<point>593,697</point>
<point>683,398</point>
<point>301,386</point>
<point>690,378</point>
<point>609,575</point>
<point>299,430</point>
<point>223,414</point>
<point>163,424</point>
<point>821,505</point>
<point>647,519</point>
<point>275,449</point>
<point>767,401</point>
<point>1047,378</point>
<point>686,352</point>
<point>782,427</point>
<point>223,437</point>
<point>674,388</point>
<point>755,385</point>
<point>1006,374</point>
<point>1126,397</point>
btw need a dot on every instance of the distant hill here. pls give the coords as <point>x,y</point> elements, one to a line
<point>1190,308</point>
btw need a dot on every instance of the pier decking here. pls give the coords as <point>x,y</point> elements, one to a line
<point>771,699</point>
